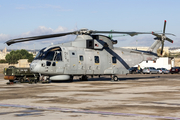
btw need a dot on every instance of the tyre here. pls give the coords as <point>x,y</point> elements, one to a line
<point>115,78</point>
<point>71,78</point>
<point>11,81</point>
<point>84,78</point>
<point>21,80</point>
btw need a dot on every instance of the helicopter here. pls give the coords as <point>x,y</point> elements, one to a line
<point>91,54</point>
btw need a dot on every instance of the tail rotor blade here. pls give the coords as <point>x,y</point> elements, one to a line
<point>164,27</point>
<point>168,39</point>
<point>162,47</point>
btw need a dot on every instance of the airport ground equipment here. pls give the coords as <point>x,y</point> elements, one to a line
<point>20,74</point>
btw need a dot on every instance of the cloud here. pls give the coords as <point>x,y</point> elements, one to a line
<point>4,38</point>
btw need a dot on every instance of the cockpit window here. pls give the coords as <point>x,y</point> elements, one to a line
<point>54,49</point>
<point>58,57</point>
<point>50,55</point>
<point>40,54</point>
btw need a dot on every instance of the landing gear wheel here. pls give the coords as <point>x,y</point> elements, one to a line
<point>115,78</point>
<point>21,80</point>
<point>84,78</point>
<point>11,81</point>
<point>71,78</point>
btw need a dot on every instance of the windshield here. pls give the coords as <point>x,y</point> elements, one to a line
<point>40,54</point>
<point>50,54</point>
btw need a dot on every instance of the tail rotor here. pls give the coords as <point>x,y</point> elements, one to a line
<point>162,37</point>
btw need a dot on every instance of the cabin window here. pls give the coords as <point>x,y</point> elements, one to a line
<point>90,44</point>
<point>58,57</point>
<point>114,60</point>
<point>54,64</point>
<point>96,59</point>
<point>73,53</point>
<point>48,63</point>
<point>81,58</point>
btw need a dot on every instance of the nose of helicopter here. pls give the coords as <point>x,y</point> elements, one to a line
<point>34,67</point>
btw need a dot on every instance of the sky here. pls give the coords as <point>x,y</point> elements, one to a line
<point>25,18</point>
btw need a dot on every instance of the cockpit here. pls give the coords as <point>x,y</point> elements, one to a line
<point>52,54</point>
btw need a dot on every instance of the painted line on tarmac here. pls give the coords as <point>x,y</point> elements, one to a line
<point>86,111</point>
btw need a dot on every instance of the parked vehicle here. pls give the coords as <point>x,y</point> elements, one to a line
<point>163,70</point>
<point>134,70</point>
<point>150,70</point>
<point>175,70</point>
<point>21,74</point>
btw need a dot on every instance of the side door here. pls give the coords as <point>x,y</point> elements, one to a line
<point>73,61</point>
<point>97,63</point>
<point>59,63</point>
<point>89,62</point>
<point>50,66</point>
<point>81,64</point>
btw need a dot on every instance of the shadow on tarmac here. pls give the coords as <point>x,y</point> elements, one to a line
<point>109,79</point>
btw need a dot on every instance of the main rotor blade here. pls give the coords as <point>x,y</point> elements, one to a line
<point>37,37</point>
<point>164,27</point>
<point>116,32</point>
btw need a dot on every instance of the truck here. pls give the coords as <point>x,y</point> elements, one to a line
<point>19,74</point>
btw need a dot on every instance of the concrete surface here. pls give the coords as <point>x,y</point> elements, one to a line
<point>135,97</point>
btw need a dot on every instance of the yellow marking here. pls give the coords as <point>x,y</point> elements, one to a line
<point>96,63</point>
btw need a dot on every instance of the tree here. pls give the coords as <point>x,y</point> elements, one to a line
<point>14,56</point>
<point>3,61</point>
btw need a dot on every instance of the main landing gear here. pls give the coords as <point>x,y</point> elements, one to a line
<point>71,78</point>
<point>114,78</point>
<point>84,78</point>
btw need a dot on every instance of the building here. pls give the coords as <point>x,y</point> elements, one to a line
<point>3,54</point>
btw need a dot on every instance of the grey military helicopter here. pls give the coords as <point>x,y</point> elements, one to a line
<point>90,54</point>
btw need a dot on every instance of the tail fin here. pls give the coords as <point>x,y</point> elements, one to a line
<point>154,47</point>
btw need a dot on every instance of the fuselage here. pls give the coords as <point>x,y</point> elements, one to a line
<point>69,60</point>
